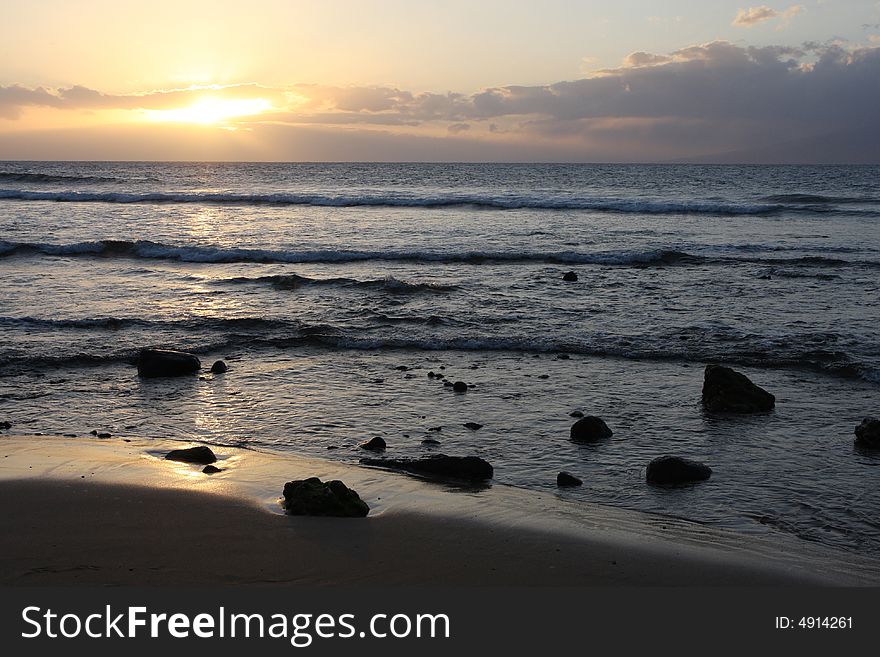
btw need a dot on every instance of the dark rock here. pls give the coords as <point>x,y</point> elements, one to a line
<point>562,357</point>
<point>466,468</point>
<point>164,362</point>
<point>332,447</point>
<point>543,376</point>
<point>201,455</point>
<point>313,497</point>
<point>94,432</point>
<point>448,384</point>
<point>219,367</point>
<point>211,469</point>
<point>569,277</point>
<point>868,433</point>
<point>431,375</point>
<point>105,435</point>
<point>459,386</point>
<point>375,444</point>
<point>401,368</point>
<point>567,479</point>
<point>667,470</point>
<point>5,425</point>
<point>430,441</point>
<point>435,428</point>
<point>378,380</point>
<point>576,414</point>
<point>473,426</point>
<point>590,429</point>
<point>727,391</point>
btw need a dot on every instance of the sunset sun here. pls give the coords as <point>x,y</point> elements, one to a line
<point>210,110</point>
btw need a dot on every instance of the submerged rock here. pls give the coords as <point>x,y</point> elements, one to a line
<point>430,441</point>
<point>313,497</point>
<point>375,444</point>
<point>564,479</point>
<point>669,470</point>
<point>727,391</point>
<point>5,425</point>
<point>473,426</point>
<point>868,433</point>
<point>219,367</point>
<point>569,277</point>
<point>201,455</point>
<point>459,386</point>
<point>165,362</point>
<point>211,469</point>
<point>104,434</point>
<point>590,429</point>
<point>467,468</point>
<point>576,414</point>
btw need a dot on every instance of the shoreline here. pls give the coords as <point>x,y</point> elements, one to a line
<point>95,511</point>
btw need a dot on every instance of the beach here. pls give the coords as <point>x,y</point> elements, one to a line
<point>110,512</point>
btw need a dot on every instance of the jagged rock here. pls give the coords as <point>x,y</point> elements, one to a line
<point>375,444</point>
<point>211,469</point>
<point>467,468</point>
<point>590,429</point>
<point>676,470</point>
<point>201,455</point>
<point>727,391</point>
<point>459,386</point>
<point>567,479</point>
<point>219,367</point>
<point>473,426</point>
<point>313,497</point>
<point>868,433</point>
<point>569,277</point>
<point>165,362</point>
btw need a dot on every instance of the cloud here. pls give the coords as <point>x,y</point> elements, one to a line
<point>755,15</point>
<point>701,99</point>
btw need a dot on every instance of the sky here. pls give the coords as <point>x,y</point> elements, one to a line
<point>431,80</point>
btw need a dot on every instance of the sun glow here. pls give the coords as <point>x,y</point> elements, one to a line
<point>211,110</point>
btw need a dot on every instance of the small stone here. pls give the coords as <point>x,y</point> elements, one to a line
<point>105,435</point>
<point>727,391</point>
<point>5,425</point>
<point>430,441</point>
<point>868,433</point>
<point>569,277</point>
<point>201,455</point>
<point>562,357</point>
<point>590,429</point>
<point>567,479</point>
<point>543,376</point>
<point>219,367</point>
<point>459,386</point>
<point>165,362</point>
<point>473,426</point>
<point>374,444</point>
<point>435,428</point>
<point>576,414</point>
<point>211,469</point>
<point>313,497</point>
<point>670,470</point>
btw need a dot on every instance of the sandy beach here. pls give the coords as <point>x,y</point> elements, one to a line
<point>111,512</point>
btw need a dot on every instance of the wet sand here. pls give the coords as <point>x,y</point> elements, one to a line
<point>112,512</point>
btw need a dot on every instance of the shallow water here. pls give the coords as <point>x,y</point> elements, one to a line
<point>317,281</point>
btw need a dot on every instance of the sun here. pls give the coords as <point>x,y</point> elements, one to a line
<point>211,110</point>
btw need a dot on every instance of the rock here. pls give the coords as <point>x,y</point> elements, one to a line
<point>431,375</point>
<point>401,368</point>
<point>448,384</point>
<point>313,497</point>
<point>201,455</point>
<point>466,468</point>
<point>219,367</point>
<point>473,426</point>
<point>576,414</point>
<point>430,441</point>
<point>569,277</point>
<point>211,469</point>
<point>375,444</point>
<point>567,479</point>
<point>562,357</point>
<point>164,362</point>
<point>868,433</point>
<point>667,470</point>
<point>727,391</point>
<point>459,386</point>
<point>5,425</point>
<point>590,429</point>
<point>543,376</point>
<point>105,435</point>
<point>435,428</point>
<point>378,380</point>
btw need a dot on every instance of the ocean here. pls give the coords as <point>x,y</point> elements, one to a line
<point>332,290</point>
